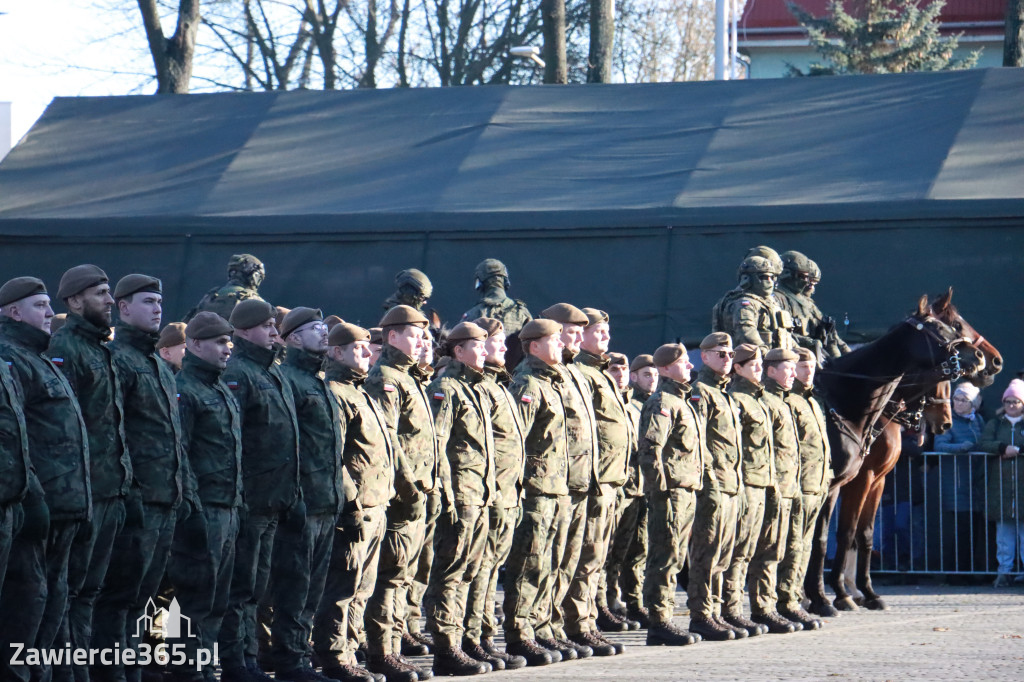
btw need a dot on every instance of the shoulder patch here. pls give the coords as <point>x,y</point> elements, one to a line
<point>744,302</point>
<point>439,396</point>
<point>389,388</point>
<point>664,412</point>
<point>694,398</point>
<point>57,361</point>
<point>233,385</point>
<point>526,399</point>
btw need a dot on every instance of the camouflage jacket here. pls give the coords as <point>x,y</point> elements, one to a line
<point>512,312</point>
<point>80,350</point>
<point>58,445</point>
<point>211,432</point>
<point>462,421</point>
<point>537,389</point>
<point>784,438</point>
<point>673,449</point>
<point>807,324</point>
<point>749,318</point>
<point>222,300</point>
<point>581,434</point>
<point>756,433</point>
<point>321,432</point>
<point>270,434</point>
<point>151,423</point>
<point>509,444</point>
<point>723,429</point>
<point>815,453</point>
<point>613,438</point>
<point>368,455</point>
<point>15,464</point>
<point>634,485</point>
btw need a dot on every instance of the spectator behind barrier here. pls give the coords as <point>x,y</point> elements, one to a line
<point>1002,437</point>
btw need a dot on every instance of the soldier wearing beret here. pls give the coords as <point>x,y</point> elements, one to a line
<point>643,379</point>
<point>750,313</point>
<point>15,467</point>
<point>714,525</point>
<point>376,344</point>
<point>171,345</point>
<point>202,560</point>
<point>270,479</point>
<point>412,289</point>
<point>245,275</point>
<point>492,283</point>
<point>407,410</point>
<point>59,497</point>
<point>537,390</point>
<point>509,460</point>
<point>674,456</point>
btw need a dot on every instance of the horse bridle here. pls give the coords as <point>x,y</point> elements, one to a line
<point>951,368</point>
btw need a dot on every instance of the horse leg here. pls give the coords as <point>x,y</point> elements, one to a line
<point>814,580</point>
<point>850,577</point>
<point>849,511</point>
<point>865,537</point>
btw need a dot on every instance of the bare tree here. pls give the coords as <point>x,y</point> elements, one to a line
<point>1013,43</point>
<point>664,40</point>
<point>602,38</point>
<point>553,19</point>
<point>172,57</point>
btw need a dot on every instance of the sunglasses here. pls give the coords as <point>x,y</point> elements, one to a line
<point>1013,402</point>
<point>723,354</point>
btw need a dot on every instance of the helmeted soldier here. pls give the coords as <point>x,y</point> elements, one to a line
<point>750,313</point>
<point>245,275</point>
<point>412,288</point>
<point>811,329</point>
<point>771,255</point>
<point>492,283</point>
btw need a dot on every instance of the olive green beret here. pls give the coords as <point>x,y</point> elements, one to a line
<point>133,284</point>
<point>297,317</point>
<point>208,325</point>
<point>280,312</point>
<point>171,335</point>
<point>489,325</point>
<point>403,314</point>
<point>538,329</point>
<point>78,279</point>
<point>668,353</point>
<point>58,321</point>
<point>744,352</point>
<point>345,333</point>
<point>252,312</point>
<point>489,267</point>
<point>641,361</point>
<point>595,316</point>
<point>331,321</point>
<point>716,339</point>
<point>19,288</point>
<point>466,331</point>
<point>565,313</point>
<point>806,354</point>
<point>415,278</point>
<point>776,355</point>
<point>617,359</point>
<point>376,335</point>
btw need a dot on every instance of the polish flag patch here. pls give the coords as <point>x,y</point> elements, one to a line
<point>389,388</point>
<point>233,385</point>
<point>694,398</point>
<point>664,412</point>
<point>439,396</point>
<point>527,399</point>
<point>57,361</point>
<point>744,302</point>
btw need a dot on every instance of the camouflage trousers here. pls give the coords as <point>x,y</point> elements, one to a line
<point>529,564</point>
<point>416,584</point>
<point>8,512</point>
<point>762,577</point>
<point>480,620</point>
<point>711,547</point>
<point>570,526</point>
<point>669,522</point>
<point>624,570</point>
<point>580,604</point>
<point>793,566</point>
<point>458,554</point>
<point>748,529</point>
<point>385,610</point>
<point>351,576</point>
<point>200,569</point>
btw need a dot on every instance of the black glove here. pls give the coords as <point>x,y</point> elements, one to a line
<point>35,522</point>
<point>826,327</point>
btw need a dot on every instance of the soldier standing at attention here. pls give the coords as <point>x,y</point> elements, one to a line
<point>369,461</point>
<point>245,275</point>
<point>171,345</point>
<point>305,555</point>
<point>676,464</point>
<point>536,388</point>
<point>492,283</point>
<point>81,353</point>
<point>59,496</point>
<point>643,379</point>
<point>509,460</point>
<point>750,313</point>
<point>411,425</point>
<point>376,343</point>
<point>270,480</point>
<point>203,550</point>
<point>412,289</point>
<point>162,478</point>
<point>15,468</point>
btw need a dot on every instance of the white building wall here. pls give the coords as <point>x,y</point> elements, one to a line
<point>5,128</point>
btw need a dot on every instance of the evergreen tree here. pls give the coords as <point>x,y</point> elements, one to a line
<point>879,36</point>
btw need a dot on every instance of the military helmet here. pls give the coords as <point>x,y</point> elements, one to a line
<point>769,253</point>
<point>489,267</point>
<point>756,264</point>
<point>416,280</point>
<point>814,270</point>
<point>243,266</point>
<point>794,262</point>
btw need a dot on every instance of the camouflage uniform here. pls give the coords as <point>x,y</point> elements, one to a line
<point>270,480</point>
<point>203,551</point>
<point>509,460</point>
<point>36,587</point>
<point>815,477</point>
<point>369,459</point>
<point>537,389</point>
<point>245,274</point>
<point>758,477</point>
<point>80,351</point>
<point>15,466</point>
<point>749,318</point>
<point>495,303</point>
<point>676,464</point>
<point>714,526</point>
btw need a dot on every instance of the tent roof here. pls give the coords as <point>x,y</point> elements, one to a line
<point>714,154</point>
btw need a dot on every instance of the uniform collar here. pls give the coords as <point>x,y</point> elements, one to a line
<point>25,334</point>
<point>538,366</point>
<point>139,339</point>
<point>708,376</point>
<point>493,295</point>
<point>463,371</point>
<point>638,394</point>
<point>747,386</point>
<point>344,374</point>
<point>672,386</point>
<point>310,363</point>
<point>77,324</point>
<point>801,389</point>
<point>772,386</point>
<point>496,373</point>
<point>264,357</point>
<point>589,359</point>
<point>193,364</point>
<point>389,355</point>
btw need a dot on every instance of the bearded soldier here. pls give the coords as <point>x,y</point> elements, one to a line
<point>750,313</point>
<point>492,282</point>
<point>245,275</point>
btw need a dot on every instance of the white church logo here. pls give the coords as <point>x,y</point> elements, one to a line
<point>164,623</point>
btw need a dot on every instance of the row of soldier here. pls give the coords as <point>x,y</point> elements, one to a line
<point>353,478</point>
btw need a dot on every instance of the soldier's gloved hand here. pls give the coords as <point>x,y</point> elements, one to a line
<point>35,521</point>
<point>827,326</point>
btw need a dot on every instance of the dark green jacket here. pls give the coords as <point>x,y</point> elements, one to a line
<point>580,428</point>
<point>723,429</point>
<point>15,464</point>
<point>270,434</point>
<point>211,432</point>
<point>80,350</point>
<point>151,424</point>
<point>613,439</point>
<point>784,438</point>
<point>509,439</point>
<point>537,390</point>
<point>321,432</point>
<point>58,444</point>
<point>368,454</point>
<point>634,485</point>
<point>673,447</point>
<point>815,455</point>
<point>1005,482</point>
<point>756,433</point>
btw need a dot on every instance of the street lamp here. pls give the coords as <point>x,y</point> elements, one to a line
<point>527,52</point>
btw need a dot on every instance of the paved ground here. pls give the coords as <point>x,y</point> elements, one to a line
<point>928,633</point>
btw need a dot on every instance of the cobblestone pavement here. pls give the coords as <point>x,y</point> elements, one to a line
<point>928,633</point>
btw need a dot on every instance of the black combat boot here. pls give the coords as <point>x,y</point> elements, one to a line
<point>740,621</point>
<point>739,633</point>
<point>710,629</point>
<point>609,622</point>
<point>391,668</point>
<point>582,650</point>
<point>425,639</point>
<point>640,615</point>
<point>422,672</point>
<point>411,646</point>
<point>619,648</point>
<point>454,661</point>
<point>600,648</point>
<point>534,653</point>
<point>777,625</point>
<point>350,673</point>
<point>477,653</point>
<point>798,615</point>
<point>567,653</point>
<point>669,634</point>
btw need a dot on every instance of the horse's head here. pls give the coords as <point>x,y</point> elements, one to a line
<point>936,345</point>
<point>980,360</point>
<point>938,413</point>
